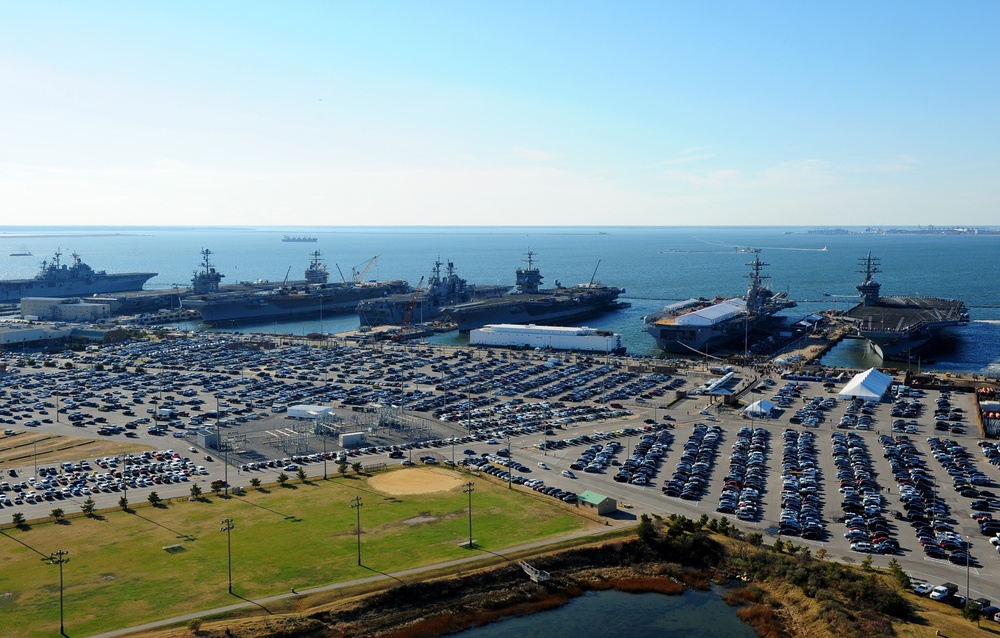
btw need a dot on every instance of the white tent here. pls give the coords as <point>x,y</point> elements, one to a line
<point>759,408</point>
<point>869,385</point>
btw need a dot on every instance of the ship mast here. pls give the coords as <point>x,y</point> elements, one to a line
<point>869,288</point>
<point>755,298</point>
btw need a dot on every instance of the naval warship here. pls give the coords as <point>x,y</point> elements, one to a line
<point>425,305</point>
<point>896,326</point>
<point>697,325</point>
<point>529,303</point>
<point>263,301</point>
<point>76,279</point>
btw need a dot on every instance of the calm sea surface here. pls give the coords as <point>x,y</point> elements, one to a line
<point>655,265</point>
<point>610,613</point>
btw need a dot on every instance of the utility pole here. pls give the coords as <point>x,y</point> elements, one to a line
<point>510,463</point>
<point>227,527</point>
<point>356,505</point>
<point>469,489</point>
<point>58,558</point>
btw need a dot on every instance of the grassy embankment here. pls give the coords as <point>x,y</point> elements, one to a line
<point>302,536</point>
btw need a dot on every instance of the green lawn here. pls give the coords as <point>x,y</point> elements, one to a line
<point>118,575</point>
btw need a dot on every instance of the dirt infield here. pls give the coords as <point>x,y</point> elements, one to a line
<point>416,480</point>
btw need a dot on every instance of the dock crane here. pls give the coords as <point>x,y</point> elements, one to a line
<point>409,311</point>
<point>591,284</point>
<point>356,275</point>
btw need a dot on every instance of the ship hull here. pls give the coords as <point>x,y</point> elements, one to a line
<point>896,327</point>
<point>704,339</point>
<point>544,311</point>
<point>12,291</point>
<point>392,310</point>
<point>266,307</point>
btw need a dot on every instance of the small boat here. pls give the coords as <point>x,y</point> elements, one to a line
<point>20,255</point>
<point>298,239</point>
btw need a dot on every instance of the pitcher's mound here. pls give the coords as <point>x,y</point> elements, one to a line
<point>416,480</point>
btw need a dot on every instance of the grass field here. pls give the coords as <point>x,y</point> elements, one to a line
<point>119,575</point>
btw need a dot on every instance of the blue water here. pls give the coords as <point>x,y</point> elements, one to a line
<point>655,265</point>
<point>610,613</point>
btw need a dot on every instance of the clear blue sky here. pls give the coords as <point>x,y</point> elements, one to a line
<point>503,112</point>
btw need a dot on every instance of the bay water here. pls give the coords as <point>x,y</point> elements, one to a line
<point>694,614</point>
<point>656,266</point>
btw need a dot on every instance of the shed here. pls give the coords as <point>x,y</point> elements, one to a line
<point>604,505</point>
<point>870,385</point>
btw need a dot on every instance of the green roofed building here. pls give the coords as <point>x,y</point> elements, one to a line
<point>602,504</point>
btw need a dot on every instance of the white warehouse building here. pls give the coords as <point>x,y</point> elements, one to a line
<point>553,337</point>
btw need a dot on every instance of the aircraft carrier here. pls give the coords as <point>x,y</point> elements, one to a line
<point>696,326</point>
<point>897,326</point>
<point>530,303</point>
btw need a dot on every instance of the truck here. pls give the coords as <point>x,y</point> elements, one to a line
<point>944,591</point>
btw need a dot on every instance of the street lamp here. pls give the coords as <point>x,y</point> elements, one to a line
<point>356,505</point>
<point>58,558</point>
<point>125,478</point>
<point>227,527</point>
<point>469,489</point>
<point>968,595</point>
<point>510,464</point>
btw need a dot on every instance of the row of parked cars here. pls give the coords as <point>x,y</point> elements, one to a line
<point>641,466</point>
<point>78,479</point>
<point>801,502</point>
<point>928,514</point>
<point>868,530</point>
<point>694,468</point>
<point>745,482</point>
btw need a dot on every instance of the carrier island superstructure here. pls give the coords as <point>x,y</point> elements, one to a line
<point>696,326</point>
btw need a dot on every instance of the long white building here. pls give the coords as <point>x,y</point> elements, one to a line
<point>553,337</point>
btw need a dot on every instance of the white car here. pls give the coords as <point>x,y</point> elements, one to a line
<point>543,466</point>
<point>568,474</point>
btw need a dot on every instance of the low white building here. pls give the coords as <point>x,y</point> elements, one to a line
<point>71,309</point>
<point>553,337</point>
<point>306,411</point>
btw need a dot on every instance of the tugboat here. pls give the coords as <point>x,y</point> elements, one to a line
<point>76,279</point>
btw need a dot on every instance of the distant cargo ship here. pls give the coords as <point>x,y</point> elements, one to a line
<point>77,279</point>
<point>696,325</point>
<point>895,326</point>
<point>302,239</point>
<point>266,302</point>
<point>583,338</point>
<point>532,304</point>
<point>426,304</point>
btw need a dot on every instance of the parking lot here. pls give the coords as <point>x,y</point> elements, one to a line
<point>894,478</point>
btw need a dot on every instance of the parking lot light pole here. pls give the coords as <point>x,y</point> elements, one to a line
<point>469,489</point>
<point>58,558</point>
<point>227,527</point>
<point>356,505</point>
<point>510,465</point>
